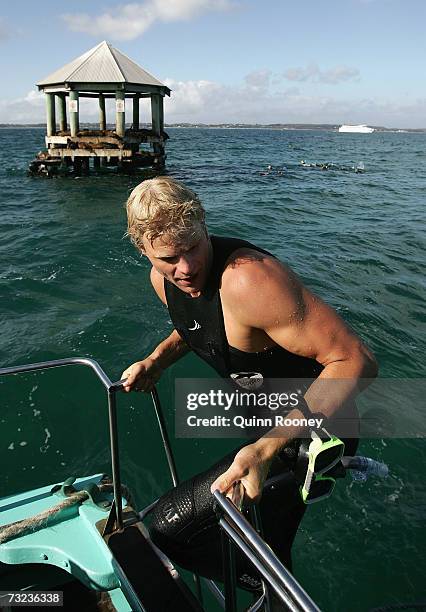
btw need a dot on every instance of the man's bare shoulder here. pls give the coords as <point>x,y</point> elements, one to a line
<point>157,281</point>
<point>248,270</point>
<point>260,287</point>
<point>263,293</point>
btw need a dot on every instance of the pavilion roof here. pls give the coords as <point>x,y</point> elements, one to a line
<point>102,65</point>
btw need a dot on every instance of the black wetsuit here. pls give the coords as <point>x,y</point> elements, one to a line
<point>183,522</point>
<point>209,339</point>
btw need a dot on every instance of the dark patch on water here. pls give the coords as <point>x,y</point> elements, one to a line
<point>70,285</point>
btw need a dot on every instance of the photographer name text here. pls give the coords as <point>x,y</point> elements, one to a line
<point>245,422</point>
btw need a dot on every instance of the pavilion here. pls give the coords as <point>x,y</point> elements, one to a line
<point>102,72</point>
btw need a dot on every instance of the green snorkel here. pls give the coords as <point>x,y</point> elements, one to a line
<point>314,469</point>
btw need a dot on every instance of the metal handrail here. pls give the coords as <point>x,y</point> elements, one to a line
<point>164,437</point>
<point>111,388</point>
<point>44,365</point>
<point>237,530</point>
<point>245,537</point>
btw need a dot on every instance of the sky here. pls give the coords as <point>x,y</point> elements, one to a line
<point>233,61</point>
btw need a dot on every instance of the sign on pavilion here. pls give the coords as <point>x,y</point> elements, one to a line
<point>101,73</point>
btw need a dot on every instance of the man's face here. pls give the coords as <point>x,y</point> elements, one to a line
<point>184,263</point>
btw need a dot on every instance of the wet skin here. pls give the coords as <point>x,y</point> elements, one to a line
<point>264,304</point>
<point>186,263</point>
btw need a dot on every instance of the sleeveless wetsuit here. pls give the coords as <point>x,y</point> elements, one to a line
<point>208,338</point>
<point>184,524</point>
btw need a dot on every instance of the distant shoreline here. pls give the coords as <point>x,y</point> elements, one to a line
<point>233,126</point>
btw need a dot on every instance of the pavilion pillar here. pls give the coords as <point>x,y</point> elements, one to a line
<point>50,114</point>
<point>161,105</point>
<point>136,99</point>
<point>74,113</point>
<point>157,122</point>
<point>62,113</point>
<point>157,114</point>
<point>102,112</point>
<point>120,114</point>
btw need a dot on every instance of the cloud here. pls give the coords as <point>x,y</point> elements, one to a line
<point>203,101</point>
<point>211,102</point>
<point>301,74</point>
<point>128,21</point>
<point>190,97</point>
<point>313,73</point>
<point>26,109</point>
<point>258,79</point>
<point>338,74</point>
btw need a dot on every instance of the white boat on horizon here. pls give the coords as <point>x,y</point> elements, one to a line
<point>358,129</point>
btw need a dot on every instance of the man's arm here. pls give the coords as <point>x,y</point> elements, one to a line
<point>142,375</point>
<point>266,295</point>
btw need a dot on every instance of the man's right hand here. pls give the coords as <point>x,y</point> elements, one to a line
<point>141,376</point>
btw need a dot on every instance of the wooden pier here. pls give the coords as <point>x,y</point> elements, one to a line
<point>101,73</point>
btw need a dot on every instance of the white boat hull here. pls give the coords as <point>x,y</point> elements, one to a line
<point>356,129</point>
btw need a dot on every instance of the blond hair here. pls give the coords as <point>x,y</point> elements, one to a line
<point>162,206</point>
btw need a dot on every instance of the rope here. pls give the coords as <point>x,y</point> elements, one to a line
<point>12,530</point>
<point>8,532</point>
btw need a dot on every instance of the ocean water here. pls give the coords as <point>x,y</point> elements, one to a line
<point>70,285</point>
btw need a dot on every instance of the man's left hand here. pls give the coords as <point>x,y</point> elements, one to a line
<point>251,467</point>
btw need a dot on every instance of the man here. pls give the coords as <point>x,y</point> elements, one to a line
<point>240,309</point>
